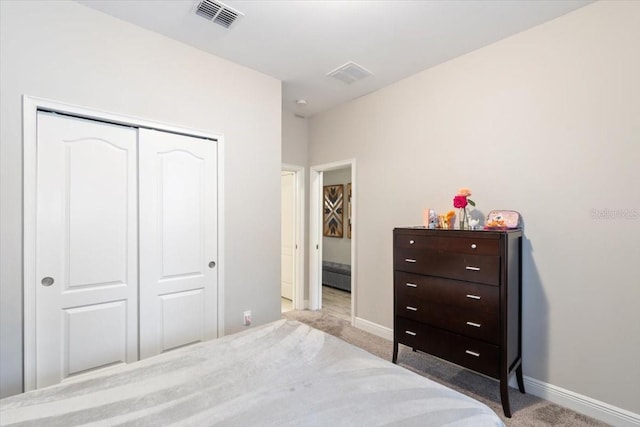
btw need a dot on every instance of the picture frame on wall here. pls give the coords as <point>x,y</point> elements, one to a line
<point>333,211</point>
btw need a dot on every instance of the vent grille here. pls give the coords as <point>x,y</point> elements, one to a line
<point>218,12</point>
<point>350,72</point>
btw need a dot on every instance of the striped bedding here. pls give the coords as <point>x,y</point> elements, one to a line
<point>280,374</point>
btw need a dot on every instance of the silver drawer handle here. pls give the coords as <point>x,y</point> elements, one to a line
<point>472,268</point>
<point>411,242</point>
<point>411,308</point>
<point>473,296</point>
<point>411,260</point>
<point>412,285</point>
<point>473,246</point>
<point>413,334</point>
<point>475,325</point>
<point>472,353</point>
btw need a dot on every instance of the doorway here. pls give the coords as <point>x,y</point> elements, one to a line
<point>292,235</point>
<point>336,243</point>
<point>322,261</point>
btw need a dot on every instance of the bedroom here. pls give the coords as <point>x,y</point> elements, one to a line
<point>581,327</point>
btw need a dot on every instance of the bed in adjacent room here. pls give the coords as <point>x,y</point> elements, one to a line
<point>281,374</point>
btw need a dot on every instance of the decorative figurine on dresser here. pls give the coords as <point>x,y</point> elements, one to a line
<point>457,296</point>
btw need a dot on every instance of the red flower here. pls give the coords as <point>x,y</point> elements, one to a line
<point>460,201</point>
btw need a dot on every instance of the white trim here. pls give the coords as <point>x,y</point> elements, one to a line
<point>340,164</point>
<point>221,236</point>
<point>298,288</point>
<point>354,223</point>
<point>585,405</point>
<point>30,107</point>
<point>84,112</point>
<point>315,241</point>
<point>29,132</point>
<point>373,328</point>
<point>315,233</point>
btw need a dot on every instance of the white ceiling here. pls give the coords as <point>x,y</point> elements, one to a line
<point>300,41</point>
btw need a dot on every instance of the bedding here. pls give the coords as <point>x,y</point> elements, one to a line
<point>284,373</point>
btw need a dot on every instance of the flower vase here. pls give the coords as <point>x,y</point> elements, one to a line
<point>464,219</point>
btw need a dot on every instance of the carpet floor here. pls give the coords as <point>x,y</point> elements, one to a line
<point>527,410</point>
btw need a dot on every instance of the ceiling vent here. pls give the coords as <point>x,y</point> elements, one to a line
<point>350,72</point>
<point>218,12</point>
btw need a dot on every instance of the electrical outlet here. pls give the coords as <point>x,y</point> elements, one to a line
<point>247,318</point>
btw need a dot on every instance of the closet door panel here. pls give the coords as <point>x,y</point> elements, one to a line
<point>181,192</point>
<point>107,321</point>
<point>178,241</point>
<point>86,246</point>
<point>188,306</point>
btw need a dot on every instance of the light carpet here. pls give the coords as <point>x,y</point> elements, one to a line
<point>527,410</point>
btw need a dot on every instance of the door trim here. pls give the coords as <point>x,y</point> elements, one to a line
<point>299,240</point>
<point>315,233</point>
<point>30,107</point>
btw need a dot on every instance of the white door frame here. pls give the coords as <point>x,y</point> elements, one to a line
<point>315,233</point>
<point>299,240</point>
<point>30,107</point>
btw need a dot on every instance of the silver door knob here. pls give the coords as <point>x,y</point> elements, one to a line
<point>47,281</point>
<point>212,264</point>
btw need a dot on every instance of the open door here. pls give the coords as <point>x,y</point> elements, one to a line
<point>287,229</point>
<point>293,238</point>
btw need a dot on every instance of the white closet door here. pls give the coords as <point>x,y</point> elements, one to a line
<point>86,250</point>
<point>178,241</point>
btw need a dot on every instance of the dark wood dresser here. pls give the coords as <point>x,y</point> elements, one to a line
<point>457,296</point>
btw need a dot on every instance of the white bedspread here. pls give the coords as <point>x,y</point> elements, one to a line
<point>281,374</point>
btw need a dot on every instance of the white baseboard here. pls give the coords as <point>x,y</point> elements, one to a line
<point>373,328</point>
<point>585,405</point>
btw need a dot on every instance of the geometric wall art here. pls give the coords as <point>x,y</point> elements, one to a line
<point>333,211</point>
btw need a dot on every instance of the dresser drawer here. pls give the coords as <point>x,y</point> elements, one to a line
<point>472,268</point>
<point>475,324</point>
<point>480,245</point>
<point>465,295</point>
<point>466,352</point>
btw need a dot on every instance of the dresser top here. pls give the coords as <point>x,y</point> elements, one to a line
<point>421,230</point>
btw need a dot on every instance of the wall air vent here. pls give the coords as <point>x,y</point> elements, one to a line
<point>218,12</point>
<point>350,72</point>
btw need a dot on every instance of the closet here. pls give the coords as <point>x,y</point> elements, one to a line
<point>125,244</point>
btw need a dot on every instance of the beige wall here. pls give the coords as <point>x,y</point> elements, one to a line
<point>547,123</point>
<point>295,151</point>
<point>66,52</point>
<point>338,249</point>
<point>295,139</point>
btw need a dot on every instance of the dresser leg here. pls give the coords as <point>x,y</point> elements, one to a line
<point>395,352</point>
<point>519,378</point>
<point>504,396</point>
